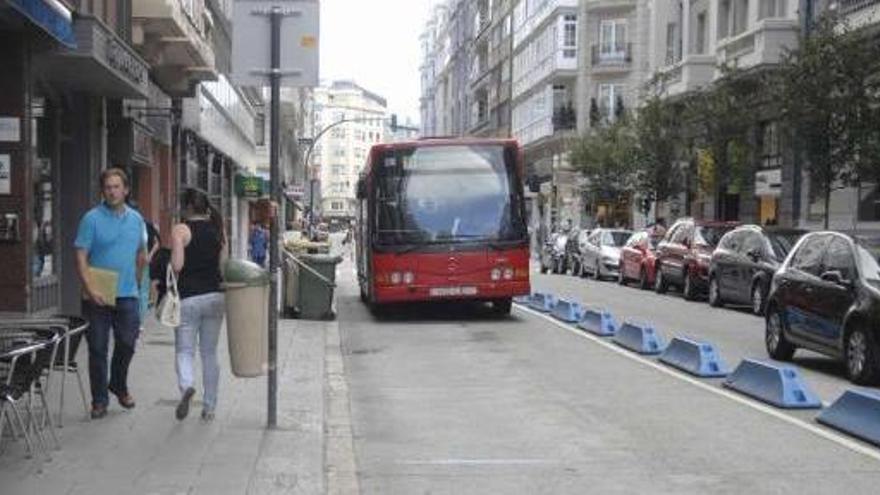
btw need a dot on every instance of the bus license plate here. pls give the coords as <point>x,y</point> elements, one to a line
<point>452,291</point>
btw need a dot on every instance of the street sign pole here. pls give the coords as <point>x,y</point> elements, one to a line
<point>275,187</point>
<point>249,68</point>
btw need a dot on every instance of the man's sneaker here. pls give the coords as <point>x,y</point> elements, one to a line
<point>183,407</point>
<point>98,411</point>
<point>207,416</point>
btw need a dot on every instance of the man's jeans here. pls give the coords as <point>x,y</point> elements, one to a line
<point>200,319</point>
<point>125,322</point>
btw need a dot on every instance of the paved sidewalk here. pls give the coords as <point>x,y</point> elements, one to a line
<point>147,451</point>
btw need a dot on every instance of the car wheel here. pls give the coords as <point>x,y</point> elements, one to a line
<point>758,299</point>
<point>501,307</point>
<point>861,357</point>
<point>778,347</point>
<point>715,298</point>
<point>689,291</point>
<point>643,279</point>
<point>660,285</point>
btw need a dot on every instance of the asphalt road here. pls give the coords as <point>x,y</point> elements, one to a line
<point>448,399</point>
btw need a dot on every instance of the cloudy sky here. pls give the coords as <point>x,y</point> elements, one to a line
<point>376,44</point>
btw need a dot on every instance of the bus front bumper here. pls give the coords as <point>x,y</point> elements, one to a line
<point>484,292</point>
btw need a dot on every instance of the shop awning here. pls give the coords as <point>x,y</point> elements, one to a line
<point>50,15</point>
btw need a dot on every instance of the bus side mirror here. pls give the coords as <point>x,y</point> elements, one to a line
<point>361,189</point>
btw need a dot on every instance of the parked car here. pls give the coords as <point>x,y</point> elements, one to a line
<point>601,254</point>
<point>572,253</point>
<point>684,254</point>
<point>826,297</point>
<point>743,264</point>
<point>553,253</point>
<point>637,259</point>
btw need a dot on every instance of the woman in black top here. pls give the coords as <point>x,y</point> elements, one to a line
<point>198,246</point>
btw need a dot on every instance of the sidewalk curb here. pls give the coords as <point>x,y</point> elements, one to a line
<point>340,470</point>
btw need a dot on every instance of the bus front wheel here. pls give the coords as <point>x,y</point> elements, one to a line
<point>502,307</point>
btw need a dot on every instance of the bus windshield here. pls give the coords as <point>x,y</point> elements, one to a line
<point>448,194</point>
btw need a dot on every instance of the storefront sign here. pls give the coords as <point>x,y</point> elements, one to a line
<point>141,144</point>
<point>10,129</point>
<point>295,191</point>
<point>250,187</point>
<point>5,174</point>
<point>768,182</point>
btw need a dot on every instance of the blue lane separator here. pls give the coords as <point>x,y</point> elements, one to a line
<point>641,338</point>
<point>780,385</point>
<point>695,357</point>
<point>522,299</point>
<point>543,302</point>
<point>856,412</point>
<point>567,311</point>
<point>599,322</point>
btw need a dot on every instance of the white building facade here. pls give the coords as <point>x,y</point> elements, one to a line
<point>340,153</point>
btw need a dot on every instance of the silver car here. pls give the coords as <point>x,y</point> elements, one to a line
<point>600,254</point>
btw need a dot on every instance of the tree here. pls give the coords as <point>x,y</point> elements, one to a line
<point>828,91</point>
<point>606,157</point>
<point>656,171</point>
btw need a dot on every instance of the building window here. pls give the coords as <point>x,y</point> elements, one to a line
<point>337,205</point>
<point>771,151</point>
<point>337,170</point>
<point>610,98</point>
<point>612,39</point>
<point>771,8</point>
<point>739,17</point>
<point>569,36</point>
<point>700,45</point>
<point>869,203</point>
<point>673,53</point>
<point>723,18</point>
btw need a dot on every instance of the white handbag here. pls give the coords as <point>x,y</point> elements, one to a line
<point>169,309</point>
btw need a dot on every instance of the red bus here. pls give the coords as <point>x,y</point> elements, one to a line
<point>443,219</point>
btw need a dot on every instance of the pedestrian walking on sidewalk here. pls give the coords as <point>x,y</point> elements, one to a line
<point>198,247</point>
<point>111,241</point>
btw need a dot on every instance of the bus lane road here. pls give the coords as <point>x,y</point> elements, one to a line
<point>451,399</point>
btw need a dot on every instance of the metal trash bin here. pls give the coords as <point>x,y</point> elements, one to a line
<point>315,279</point>
<point>247,317</point>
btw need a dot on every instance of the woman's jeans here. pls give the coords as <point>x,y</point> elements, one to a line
<point>200,320</point>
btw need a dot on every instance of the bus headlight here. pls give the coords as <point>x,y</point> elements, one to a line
<point>508,274</point>
<point>408,278</point>
<point>396,277</point>
<point>496,274</point>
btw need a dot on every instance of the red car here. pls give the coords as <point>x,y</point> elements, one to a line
<point>684,255</point>
<point>637,260</point>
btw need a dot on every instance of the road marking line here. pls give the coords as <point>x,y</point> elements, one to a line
<point>478,462</point>
<point>815,429</point>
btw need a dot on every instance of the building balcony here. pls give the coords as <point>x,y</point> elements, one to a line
<point>689,74</point>
<point>557,68</point>
<point>860,13</point>
<point>564,118</point>
<point>613,61</point>
<point>537,19</point>
<point>596,5</point>
<point>764,44</point>
<point>170,37</point>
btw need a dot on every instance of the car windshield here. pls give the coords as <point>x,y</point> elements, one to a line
<point>783,242</point>
<point>868,253</point>
<point>707,235</point>
<point>615,238</point>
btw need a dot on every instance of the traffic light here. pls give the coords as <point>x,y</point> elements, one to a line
<point>393,122</point>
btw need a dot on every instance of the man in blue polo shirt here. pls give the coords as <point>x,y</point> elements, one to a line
<point>111,236</point>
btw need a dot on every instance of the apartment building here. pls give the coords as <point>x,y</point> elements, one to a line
<point>693,40</point>
<point>340,151</point>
